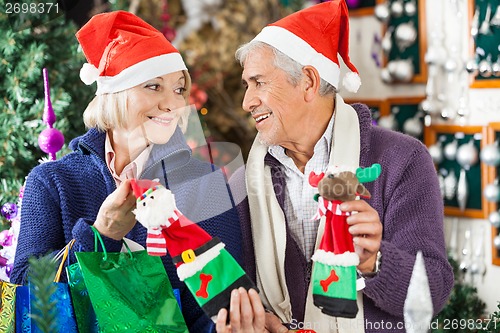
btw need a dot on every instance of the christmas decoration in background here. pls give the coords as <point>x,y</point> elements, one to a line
<point>43,43</point>
<point>202,262</point>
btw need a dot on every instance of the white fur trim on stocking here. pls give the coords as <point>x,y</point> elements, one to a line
<point>191,268</point>
<point>329,258</point>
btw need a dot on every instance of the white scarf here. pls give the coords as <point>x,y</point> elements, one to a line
<point>269,229</point>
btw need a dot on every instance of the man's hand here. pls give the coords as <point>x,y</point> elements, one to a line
<point>246,313</point>
<point>366,229</point>
<point>115,218</point>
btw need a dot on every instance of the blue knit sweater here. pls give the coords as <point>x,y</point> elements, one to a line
<point>62,198</point>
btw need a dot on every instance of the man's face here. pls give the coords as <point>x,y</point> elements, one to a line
<point>272,100</point>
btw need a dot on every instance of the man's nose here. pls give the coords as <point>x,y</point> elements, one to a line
<point>250,100</point>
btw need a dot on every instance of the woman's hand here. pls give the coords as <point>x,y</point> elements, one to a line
<point>115,218</point>
<point>246,313</point>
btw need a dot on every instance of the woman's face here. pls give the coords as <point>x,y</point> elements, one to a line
<point>155,106</point>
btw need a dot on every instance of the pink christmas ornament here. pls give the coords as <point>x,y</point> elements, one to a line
<point>50,140</point>
<point>5,238</point>
<point>3,261</point>
<point>9,210</point>
<point>353,3</point>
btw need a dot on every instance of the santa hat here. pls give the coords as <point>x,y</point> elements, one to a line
<point>143,187</point>
<point>123,51</point>
<point>314,36</point>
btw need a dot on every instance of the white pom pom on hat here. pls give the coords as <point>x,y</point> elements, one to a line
<point>316,36</point>
<point>89,73</point>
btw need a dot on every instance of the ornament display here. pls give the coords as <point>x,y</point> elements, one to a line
<point>405,35</point>
<point>495,20</point>
<point>465,261</point>
<point>494,219</point>
<point>491,191</point>
<point>382,12</point>
<point>450,185</point>
<point>462,190</point>
<point>410,8</point>
<point>490,155</point>
<point>467,154</point>
<point>450,150</point>
<point>397,8</point>
<point>484,29</point>
<point>388,122</point>
<point>496,242</point>
<point>436,152</point>
<point>9,210</point>
<point>413,126</point>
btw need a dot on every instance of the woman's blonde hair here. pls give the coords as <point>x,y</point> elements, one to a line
<point>108,111</point>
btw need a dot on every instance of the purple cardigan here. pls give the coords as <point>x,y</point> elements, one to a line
<point>408,201</point>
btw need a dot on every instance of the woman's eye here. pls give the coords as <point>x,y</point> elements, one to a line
<point>180,90</point>
<point>153,86</point>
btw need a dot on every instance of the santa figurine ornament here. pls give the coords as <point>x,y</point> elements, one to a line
<point>202,262</point>
<point>334,272</point>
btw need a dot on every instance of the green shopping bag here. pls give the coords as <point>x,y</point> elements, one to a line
<point>84,312</point>
<point>8,308</point>
<point>130,291</point>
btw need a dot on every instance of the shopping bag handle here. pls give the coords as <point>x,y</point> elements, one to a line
<point>63,254</point>
<point>97,236</point>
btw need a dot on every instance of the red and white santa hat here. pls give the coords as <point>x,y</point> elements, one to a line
<point>123,51</point>
<point>314,36</point>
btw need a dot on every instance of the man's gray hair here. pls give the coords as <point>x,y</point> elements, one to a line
<point>283,62</point>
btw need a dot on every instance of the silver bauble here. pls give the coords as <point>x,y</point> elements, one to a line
<point>436,153</point>
<point>495,68</point>
<point>404,70</point>
<point>405,35</point>
<point>388,122</point>
<point>386,76</point>
<point>413,126</point>
<point>450,150</point>
<point>382,12</point>
<point>386,42</point>
<point>490,155</point>
<point>410,8</point>
<point>397,8</point>
<point>496,242</point>
<point>467,154</point>
<point>485,69</point>
<point>494,219</point>
<point>492,192</point>
<point>472,67</point>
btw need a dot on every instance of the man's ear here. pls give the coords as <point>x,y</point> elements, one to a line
<point>311,82</point>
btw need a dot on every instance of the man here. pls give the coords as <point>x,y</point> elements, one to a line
<point>291,75</point>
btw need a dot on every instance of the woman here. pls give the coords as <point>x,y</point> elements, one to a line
<point>136,123</point>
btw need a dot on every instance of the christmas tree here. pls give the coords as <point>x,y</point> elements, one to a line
<point>30,42</point>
